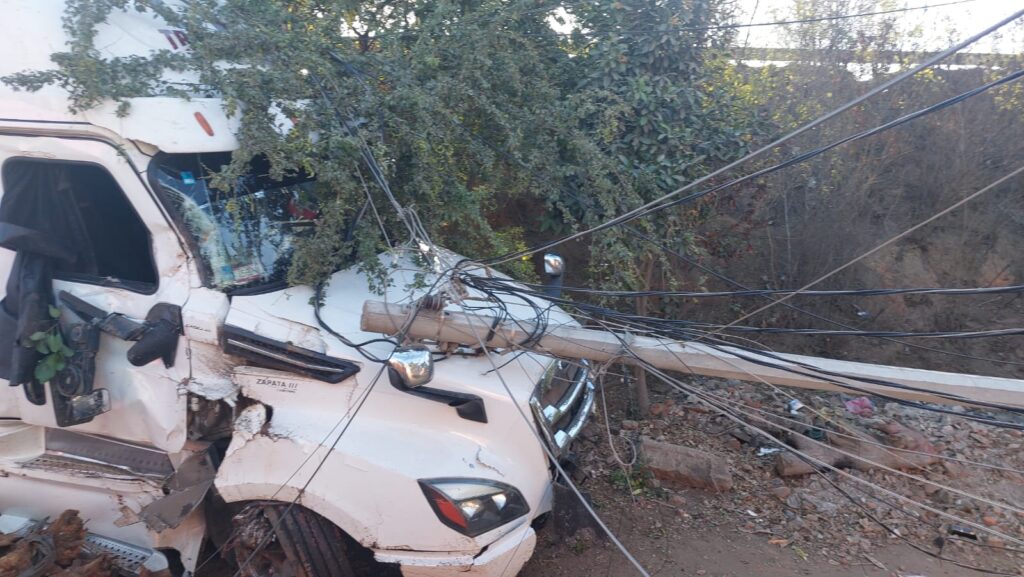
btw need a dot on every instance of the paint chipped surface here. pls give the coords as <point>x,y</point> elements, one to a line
<point>213,390</point>
<point>128,517</point>
<point>250,421</point>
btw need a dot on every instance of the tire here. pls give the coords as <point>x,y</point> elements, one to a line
<point>273,540</point>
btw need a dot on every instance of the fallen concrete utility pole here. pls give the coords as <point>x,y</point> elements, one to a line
<point>684,357</point>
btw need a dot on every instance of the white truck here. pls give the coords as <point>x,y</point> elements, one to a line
<point>164,381</point>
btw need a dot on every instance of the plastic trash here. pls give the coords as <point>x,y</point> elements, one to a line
<point>861,406</point>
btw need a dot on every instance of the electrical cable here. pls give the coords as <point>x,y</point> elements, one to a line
<point>811,314</point>
<point>817,463</point>
<point>990,333</point>
<point>886,243</point>
<point>667,29</point>
<point>298,494</point>
<point>870,334</point>
<point>531,426</point>
<point>774,361</point>
<point>658,204</point>
<point>770,146</point>
<point>772,292</point>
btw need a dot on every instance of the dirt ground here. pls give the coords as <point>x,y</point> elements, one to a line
<point>752,530</point>
<point>720,552</point>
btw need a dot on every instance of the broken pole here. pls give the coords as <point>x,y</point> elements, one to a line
<point>685,357</point>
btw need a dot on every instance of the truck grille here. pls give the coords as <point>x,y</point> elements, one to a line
<point>563,401</point>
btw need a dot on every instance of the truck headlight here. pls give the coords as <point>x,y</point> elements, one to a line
<point>473,506</point>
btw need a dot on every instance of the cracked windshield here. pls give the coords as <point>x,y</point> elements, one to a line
<point>245,236</point>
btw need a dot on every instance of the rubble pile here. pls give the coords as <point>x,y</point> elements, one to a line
<point>56,549</point>
<point>902,472</point>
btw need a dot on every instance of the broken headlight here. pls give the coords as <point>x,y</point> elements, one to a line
<point>473,506</point>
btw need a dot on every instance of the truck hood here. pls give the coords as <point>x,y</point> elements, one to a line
<point>288,316</point>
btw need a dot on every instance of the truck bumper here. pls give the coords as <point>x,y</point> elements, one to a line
<point>503,558</point>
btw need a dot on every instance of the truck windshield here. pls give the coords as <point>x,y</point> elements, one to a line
<point>245,236</point>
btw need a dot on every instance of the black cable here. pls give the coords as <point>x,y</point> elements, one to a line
<point>298,494</point>
<point>802,157</point>
<point>667,29</point>
<point>661,328</point>
<point>793,307</point>
<point>509,288</point>
<point>817,469</point>
<point>726,411</point>
<point>856,333</point>
<point>772,292</point>
<point>317,300</point>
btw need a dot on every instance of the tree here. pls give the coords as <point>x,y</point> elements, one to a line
<point>467,110</point>
<point>665,104</point>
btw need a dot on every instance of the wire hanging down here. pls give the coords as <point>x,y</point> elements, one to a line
<point>664,200</point>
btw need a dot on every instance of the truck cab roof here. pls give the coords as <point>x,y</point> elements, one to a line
<point>31,31</point>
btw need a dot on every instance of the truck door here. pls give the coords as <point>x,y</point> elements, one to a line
<point>128,261</point>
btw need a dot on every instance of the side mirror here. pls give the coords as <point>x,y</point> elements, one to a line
<point>160,338</point>
<point>554,266</point>
<point>413,366</point>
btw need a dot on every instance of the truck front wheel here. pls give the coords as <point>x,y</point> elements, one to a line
<point>277,540</point>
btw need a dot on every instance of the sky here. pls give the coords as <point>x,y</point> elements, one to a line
<point>940,26</point>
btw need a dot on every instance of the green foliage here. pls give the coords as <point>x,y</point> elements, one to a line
<point>50,344</point>
<point>666,106</point>
<point>496,130</point>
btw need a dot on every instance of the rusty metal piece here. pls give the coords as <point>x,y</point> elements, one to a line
<point>187,487</point>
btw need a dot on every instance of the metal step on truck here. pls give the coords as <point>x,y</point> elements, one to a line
<point>161,379</point>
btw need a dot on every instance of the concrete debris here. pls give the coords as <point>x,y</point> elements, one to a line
<point>832,517</point>
<point>680,466</point>
<point>857,449</point>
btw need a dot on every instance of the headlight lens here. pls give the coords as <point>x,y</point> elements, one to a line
<point>473,506</point>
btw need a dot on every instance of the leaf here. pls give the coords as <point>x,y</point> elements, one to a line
<point>37,336</point>
<point>44,372</point>
<point>54,312</point>
<point>67,352</point>
<point>42,349</point>
<point>54,341</point>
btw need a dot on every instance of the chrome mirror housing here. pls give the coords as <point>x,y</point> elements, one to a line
<point>413,365</point>
<point>553,264</point>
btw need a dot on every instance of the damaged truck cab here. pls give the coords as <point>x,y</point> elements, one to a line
<point>165,383</point>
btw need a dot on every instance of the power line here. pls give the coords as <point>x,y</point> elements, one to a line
<point>857,333</point>
<point>888,242</point>
<point>668,330</point>
<point>1011,289</point>
<point>811,314</point>
<point>786,22</point>
<point>832,18</point>
<point>630,215</point>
